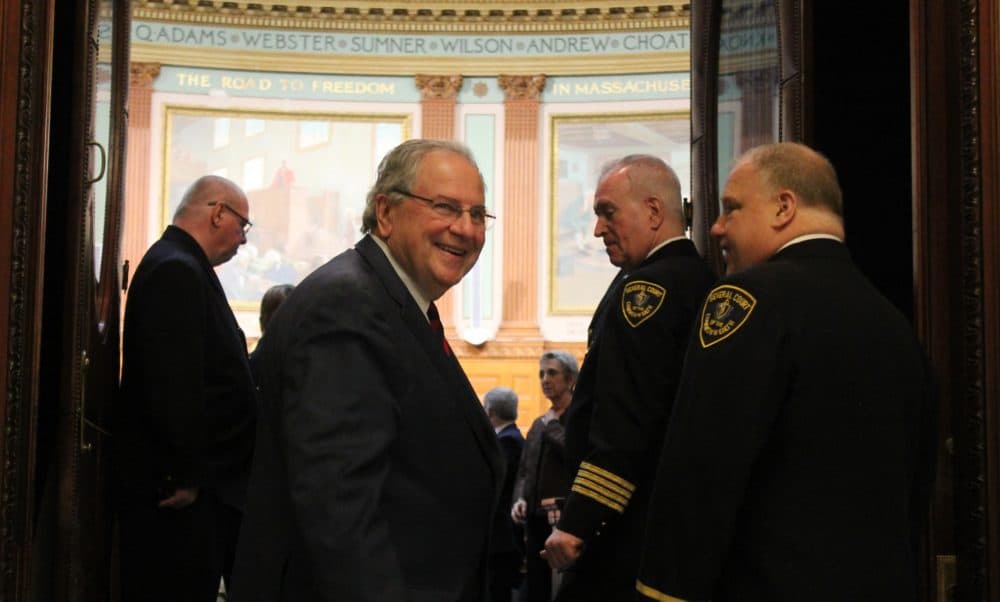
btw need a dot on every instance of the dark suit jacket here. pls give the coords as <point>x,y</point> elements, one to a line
<point>187,409</point>
<point>799,456</point>
<point>511,444</point>
<point>377,472</point>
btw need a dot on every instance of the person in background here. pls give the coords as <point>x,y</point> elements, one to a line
<point>184,424</point>
<point>507,553</point>
<point>544,473</point>
<point>800,455</point>
<point>377,472</point>
<point>622,402</point>
<point>269,303</point>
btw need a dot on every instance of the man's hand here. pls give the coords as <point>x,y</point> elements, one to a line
<point>562,549</point>
<point>183,496</point>
<point>519,511</point>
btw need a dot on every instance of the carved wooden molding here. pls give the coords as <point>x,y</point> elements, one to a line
<point>142,75</point>
<point>17,500</point>
<point>443,87</point>
<point>522,87</point>
<point>434,16</point>
<point>971,430</point>
<point>989,145</point>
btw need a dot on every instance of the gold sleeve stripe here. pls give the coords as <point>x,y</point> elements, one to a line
<point>649,592</point>
<point>587,466</point>
<point>597,497</point>
<point>603,492</point>
<point>603,486</point>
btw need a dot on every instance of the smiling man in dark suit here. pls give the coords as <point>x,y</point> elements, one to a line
<point>377,472</point>
<point>185,422</point>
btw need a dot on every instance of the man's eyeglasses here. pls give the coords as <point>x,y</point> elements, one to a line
<point>452,211</point>
<point>244,222</point>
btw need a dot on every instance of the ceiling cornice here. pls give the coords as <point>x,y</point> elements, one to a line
<point>436,17</point>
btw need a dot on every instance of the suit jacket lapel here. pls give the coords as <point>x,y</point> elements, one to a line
<point>467,403</point>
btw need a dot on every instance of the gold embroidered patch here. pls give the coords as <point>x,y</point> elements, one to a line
<point>640,300</point>
<point>726,310</point>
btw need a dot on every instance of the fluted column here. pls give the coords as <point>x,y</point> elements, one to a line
<point>438,94</point>
<point>522,95</point>
<point>136,202</point>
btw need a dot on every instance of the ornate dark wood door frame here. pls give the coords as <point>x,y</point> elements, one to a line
<point>955,57</point>
<point>61,347</point>
<point>26,41</point>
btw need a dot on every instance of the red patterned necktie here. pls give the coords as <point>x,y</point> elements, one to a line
<point>437,327</point>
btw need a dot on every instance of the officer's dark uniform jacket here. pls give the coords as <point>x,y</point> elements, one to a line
<point>800,452</point>
<point>618,416</point>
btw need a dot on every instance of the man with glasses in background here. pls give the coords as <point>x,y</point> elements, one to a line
<point>377,472</point>
<point>185,418</point>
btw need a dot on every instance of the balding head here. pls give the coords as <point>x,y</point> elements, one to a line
<point>775,194</point>
<point>651,177</point>
<point>214,211</point>
<point>638,207</point>
<point>800,169</point>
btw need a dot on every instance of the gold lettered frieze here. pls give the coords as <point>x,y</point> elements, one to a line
<point>284,85</point>
<point>625,87</point>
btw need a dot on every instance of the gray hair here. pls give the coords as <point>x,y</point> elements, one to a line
<point>570,368</point>
<point>650,176</point>
<point>502,401</point>
<point>398,170</point>
<point>798,168</point>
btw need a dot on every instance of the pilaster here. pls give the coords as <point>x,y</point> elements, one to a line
<point>522,102</point>
<point>137,178</point>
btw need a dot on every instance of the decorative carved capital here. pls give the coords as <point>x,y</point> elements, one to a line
<point>439,86</point>
<point>522,87</point>
<point>141,75</point>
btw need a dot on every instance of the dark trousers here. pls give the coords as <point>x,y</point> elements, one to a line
<point>538,580</point>
<point>505,572</point>
<point>169,555</point>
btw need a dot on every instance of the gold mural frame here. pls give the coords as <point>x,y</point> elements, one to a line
<point>171,184</point>
<point>553,245</point>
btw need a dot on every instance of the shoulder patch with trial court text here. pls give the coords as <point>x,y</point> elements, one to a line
<point>726,310</point>
<point>640,300</point>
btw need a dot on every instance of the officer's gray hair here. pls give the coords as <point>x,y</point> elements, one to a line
<point>650,176</point>
<point>503,403</point>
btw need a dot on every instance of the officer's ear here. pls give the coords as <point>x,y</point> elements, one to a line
<point>655,208</point>
<point>786,207</point>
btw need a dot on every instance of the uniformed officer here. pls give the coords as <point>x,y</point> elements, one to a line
<point>800,452</point>
<point>615,424</point>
